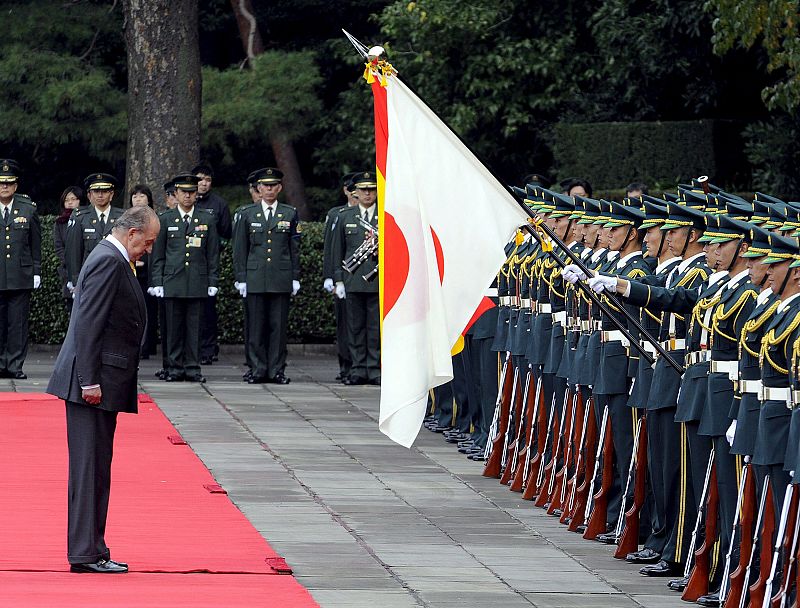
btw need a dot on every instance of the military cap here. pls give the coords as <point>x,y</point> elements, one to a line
<point>792,223</point>
<point>580,209</point>
<point>564,205</point>
<point>9,171</point>
<point>624,215</point>
<point>670,197</point>
<point>712,229</point>
<point>186,181</point>
<point>537,178</point>
<point>169,187</point>
<point>760,213</point>
<point>695,200</point>
<point>759,243</point>
<point>604,214</point>
<point>268,175</point>
<point>777,215</point>
<point>590,208</point>
<point>346,178</point>
<point>655,212</point>
<point>366,180</point>
<point>781,249</point>
<point>100,181</point>
<point>731,229</point>
<point>684,216</point>
<point>534,196</point>
<point>203,168</point>
<point>766,198</point>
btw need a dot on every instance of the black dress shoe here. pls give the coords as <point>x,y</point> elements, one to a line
<point>247,374</point>
<point>662,568</point>
<point>173,377</point>
<point>20,375</point>
<point>338,377</point>
<point>256,379</point>
<point>477,457</point>
<point>280,379</point>
<point>709,599</point>
<point>197,378</point>
<point>608,538</point>
<point>467,449</point>
<point>206,361</point>
<point>144,356</point>
<point>104,566</point>
<point>160,374</point>
<point>645,556</point>
<point>354,381</point>
<point>375,381</point>
<point>678,584</point>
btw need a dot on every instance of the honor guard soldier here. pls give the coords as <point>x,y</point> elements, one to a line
<point>357,228</point>
<point>266,261</point>
<point>20,269</point>
<point>185,262</point>
<point>91,224</point>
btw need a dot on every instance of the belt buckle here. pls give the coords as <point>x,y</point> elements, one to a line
<point>672,342</point>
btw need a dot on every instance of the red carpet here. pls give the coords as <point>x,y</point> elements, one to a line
<point>162,521</point>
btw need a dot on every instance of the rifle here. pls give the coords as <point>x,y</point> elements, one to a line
<point>767,532</point>
<point>723,590</point>
<point>517,425</point>
<point>788,513</point>
<point>584,467</point>
<point>521,472</point>
<point>628,541</point>
<point>513,424</point>
<point>766,497</point>
<point>499,422</point>
<point>597,507</point>
<point>735,587</point>
<point>557,506</point>
<point>568,503</point>
<point>699,574</point>
<point>780,599</point>
<point>543,426</point>
<point>546,489</point>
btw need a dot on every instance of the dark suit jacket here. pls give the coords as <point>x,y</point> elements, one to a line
<point>105,333</point>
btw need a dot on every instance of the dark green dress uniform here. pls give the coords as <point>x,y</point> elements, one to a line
<point>19,263</point>
<point>86,230</point>
<point>363,314</point>
<point>340,304</point>
<point>185,263</point>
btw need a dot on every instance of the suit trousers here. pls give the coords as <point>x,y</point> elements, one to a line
<point>342,344</point>
<point>363,326</point>
<point>90,442</point>
<point>208,328</point>
<point>267,323</point>
<point>15,305</point>
<point>183,335</point>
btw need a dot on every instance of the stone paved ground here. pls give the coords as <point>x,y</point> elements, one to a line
<point>365,522</point>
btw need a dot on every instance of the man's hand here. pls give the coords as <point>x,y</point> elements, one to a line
<point>92,396</point>
<point>572,273</point>
<point>600,283</point>
<point>340,293</point>
<point>327,285</point>
<point>295,287</point>
<point>212,291</point>
<point>158,291</point>
<point>37,281</point>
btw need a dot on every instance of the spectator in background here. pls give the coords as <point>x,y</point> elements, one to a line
<point>142,196</point>
<point>636,189</point>
<point>574,186</point>
<point>70,199</point>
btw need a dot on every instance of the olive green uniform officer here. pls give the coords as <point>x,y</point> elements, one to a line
<point>266,263</point>
<point>20,269</point>
<point>363,313</point>
<point>185,260</point>
<point>91,224</point>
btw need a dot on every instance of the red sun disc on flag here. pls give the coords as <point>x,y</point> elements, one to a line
<point>396,263</point>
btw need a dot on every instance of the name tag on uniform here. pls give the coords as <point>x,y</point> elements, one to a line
<point>254,225</point>
<point>88,229</point>
<point>172,228</point>
<point>195,241</point>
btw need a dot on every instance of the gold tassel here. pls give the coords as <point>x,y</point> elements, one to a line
<point>519,238</point>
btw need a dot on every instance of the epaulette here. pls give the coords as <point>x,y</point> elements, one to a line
<point>80,210</point>
<point>23,198</point>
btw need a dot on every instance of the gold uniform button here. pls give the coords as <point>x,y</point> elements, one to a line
<point>8,238</point>
<point>269,240</point>
<point>8,246</point>
<point>187,253</point>
<point>269,250</point>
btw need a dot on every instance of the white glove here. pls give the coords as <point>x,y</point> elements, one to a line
<point>158,292</point>
<point>242,288</point>
<point>340,293</point>
<point>295,287</point>
<point>212,291</point>
<point>601,282</point>
<point>327,285</point>
<point>151,291</point>
<point>731,433</point>
<point>37,281</point>
<point>572,273</point>
<point>70,286</point>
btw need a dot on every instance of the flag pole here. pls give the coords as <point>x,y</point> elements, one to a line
<point>361,48</point>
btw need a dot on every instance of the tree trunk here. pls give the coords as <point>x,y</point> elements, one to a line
<point>282,146</point>
<point>164,90</point>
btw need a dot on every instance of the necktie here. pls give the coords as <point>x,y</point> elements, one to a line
<point>187,223</point>
<point>5,215</point>
<point>133,267</point>
<point>269,214</point>
<point>102,223</point>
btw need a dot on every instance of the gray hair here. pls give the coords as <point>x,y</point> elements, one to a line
<point>138,218</point>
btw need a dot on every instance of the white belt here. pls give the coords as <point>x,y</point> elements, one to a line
<point>525,302</point>
<point>769,393</point>
<point>491,292</point>
<point>614,334</point>
<point>674,344</point>
<point>700,356</point>
<point>505,301</point>
<point>544,308</point>
<point>795,398</point>
<point>648,347</point>
<point>586,326</point>
<point>750,386</point>
<point>560,317</point>
<point>726,367</point>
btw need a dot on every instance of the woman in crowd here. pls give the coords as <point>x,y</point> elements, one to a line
<point>71,199</point>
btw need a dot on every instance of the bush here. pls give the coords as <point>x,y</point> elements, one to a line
<point>661,154</point>
<point>311,314</point>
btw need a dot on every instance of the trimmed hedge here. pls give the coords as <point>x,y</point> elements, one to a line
<point>613,154</point>
<point>311,314</point>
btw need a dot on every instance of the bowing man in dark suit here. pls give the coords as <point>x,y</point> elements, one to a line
<point>95,374</point>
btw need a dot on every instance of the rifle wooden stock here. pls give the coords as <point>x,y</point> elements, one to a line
<point>514,429</point>
<point>556,493</point>
<point>548,477</point>
<point>767,532</point>
<point>584,468</point>
<point>736,581</point>
<point>699,577</point>
<point>492,468</point>
<point>789,549</point>
<point>542,425</point>
<point>599,517</point>
<point>578,439</point>
<point>532,410</point>
<point>629,540</point>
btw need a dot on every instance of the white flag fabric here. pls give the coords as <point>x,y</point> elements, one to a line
<point>445,222</point>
